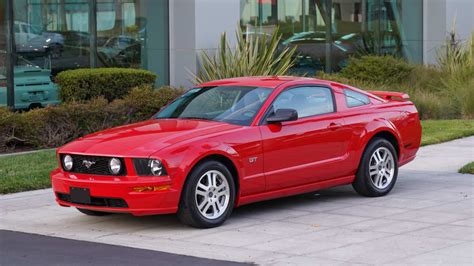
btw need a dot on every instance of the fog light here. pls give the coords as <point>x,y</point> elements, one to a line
<point>67,162</point>
<point>115,166</point>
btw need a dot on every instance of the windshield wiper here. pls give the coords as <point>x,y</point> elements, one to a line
<point>194,118</point>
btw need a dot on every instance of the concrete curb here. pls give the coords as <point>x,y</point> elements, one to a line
<point>25,152</point>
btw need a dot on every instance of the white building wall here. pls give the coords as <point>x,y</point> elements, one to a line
<point>462,13</point>
<point>195,26</point>
<point>438,19</point>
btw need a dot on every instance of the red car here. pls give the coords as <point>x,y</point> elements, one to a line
<point>231,142</point>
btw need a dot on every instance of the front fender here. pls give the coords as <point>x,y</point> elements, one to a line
<point>182,160</point>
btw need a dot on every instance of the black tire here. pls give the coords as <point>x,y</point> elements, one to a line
<point>363,183</point>
<point>55,50</point>
<point>188,212</point>
<point>93,213</point>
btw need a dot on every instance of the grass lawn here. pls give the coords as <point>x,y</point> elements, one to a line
<point>467,169</point>
<point>31,171</point>
<point>26,171</point>
<point>437,131</point>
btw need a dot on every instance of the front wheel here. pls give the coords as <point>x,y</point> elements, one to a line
<point>378,169</point>
<point>208,196</point>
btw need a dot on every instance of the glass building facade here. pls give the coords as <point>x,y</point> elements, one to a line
<point>57,35</point>
<point>328,32</point>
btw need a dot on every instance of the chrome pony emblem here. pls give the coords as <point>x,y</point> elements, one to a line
<point>87,163</point>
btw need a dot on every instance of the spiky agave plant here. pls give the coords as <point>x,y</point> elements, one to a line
<point>251,56</point>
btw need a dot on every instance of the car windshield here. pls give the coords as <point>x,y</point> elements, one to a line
<point>231,104</point>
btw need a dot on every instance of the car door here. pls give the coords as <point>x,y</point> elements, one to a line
<point>306,150</point>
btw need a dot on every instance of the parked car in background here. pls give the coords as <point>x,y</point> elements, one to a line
<point>121,51</point>
<point>31,39</point>
<point>231,142</point>
<point>311,50</point>
<point>33,86</point>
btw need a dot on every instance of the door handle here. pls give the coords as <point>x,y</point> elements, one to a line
<point>334,126</point>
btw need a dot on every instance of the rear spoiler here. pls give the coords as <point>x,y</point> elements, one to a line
<point>391,95</point>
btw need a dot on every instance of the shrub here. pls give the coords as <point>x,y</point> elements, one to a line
<point>252,56</point>
<point>56,125</point>
<point>8,127</point>
<point>145,101</point>
<point>428,104</point>
<point>460,90</point>
<point>377,69</point>
<point>457,56</point>
<point>110,83</point>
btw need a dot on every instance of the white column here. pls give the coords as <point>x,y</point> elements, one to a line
<point>434,28</point>
<point>196,25</point>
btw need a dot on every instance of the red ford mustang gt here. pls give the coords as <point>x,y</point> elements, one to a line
<point>231,142</point>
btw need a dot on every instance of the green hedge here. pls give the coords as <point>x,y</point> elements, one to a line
<point>54,126</point>
<point>110,83</point>
<point>377,69</point>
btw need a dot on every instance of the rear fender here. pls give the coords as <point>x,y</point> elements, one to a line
<point>375,127</point>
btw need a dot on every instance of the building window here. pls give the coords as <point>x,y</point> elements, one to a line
<point>327,32</point>
<point>55,34</point>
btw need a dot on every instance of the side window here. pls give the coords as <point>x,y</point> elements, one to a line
<point>307,101</point>
<point>354,98</point>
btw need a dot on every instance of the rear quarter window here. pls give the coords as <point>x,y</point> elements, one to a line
<point>354,99</point>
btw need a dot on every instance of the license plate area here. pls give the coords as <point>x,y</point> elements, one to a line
<point>35,96</point>
<point>80,195</point>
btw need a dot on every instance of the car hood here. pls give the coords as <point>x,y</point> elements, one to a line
<point>144,138</point>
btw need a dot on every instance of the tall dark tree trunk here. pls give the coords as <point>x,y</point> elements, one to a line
<point>118,17</point>
<point>3,41</point>
<point>62,23</point>
<point>44,13</point>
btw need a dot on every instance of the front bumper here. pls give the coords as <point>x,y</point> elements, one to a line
<point>109,193</point>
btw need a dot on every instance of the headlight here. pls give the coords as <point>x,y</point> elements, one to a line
<point>67,162</point>
<point>149,167</point>
<point>156,167</point>
<point>115,166</point>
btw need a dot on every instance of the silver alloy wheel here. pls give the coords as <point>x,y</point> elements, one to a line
<point>212,194</point>
<point>381,168</point>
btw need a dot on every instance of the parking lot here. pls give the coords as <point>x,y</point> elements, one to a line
<point>428,218</point>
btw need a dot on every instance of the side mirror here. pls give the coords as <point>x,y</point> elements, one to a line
<point>282,115</point>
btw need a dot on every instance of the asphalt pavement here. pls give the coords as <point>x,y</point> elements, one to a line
<point>30,249</point>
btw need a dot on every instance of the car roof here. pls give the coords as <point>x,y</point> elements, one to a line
<point>260,81</point>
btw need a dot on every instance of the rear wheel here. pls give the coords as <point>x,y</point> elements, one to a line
<point>93,213</point>
<point>208,196</point>
<point>378,169</point>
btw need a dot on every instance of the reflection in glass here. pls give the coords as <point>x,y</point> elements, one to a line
<point>55,34</point>
<point>338,29</point>
<point>123,38</point>
<point>3,44</point>
<point>230,104</point>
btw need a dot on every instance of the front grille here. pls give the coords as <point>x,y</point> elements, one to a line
<point>97,201</point>
<point>100,165</point>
